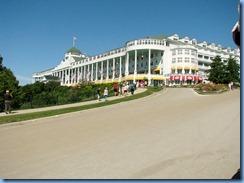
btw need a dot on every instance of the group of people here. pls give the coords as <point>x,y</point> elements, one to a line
<point>121,89</point>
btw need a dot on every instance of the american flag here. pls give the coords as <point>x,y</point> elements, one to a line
<point>73,77</point>
<point>80,76</point>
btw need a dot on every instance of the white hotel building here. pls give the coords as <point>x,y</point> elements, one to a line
<point>163,59</point>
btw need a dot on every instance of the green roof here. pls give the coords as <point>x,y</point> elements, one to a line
<point>74,50</point>
<point>160,37</point>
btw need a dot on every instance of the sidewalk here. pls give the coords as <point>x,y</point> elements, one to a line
<point>14,112</point>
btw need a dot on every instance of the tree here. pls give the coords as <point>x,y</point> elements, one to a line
<point>1,65</point>
<point>217,72</point>
<point>232,71</point>
<point>7,82</point>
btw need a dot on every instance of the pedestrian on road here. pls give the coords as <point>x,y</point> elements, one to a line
<point>231,86</point>
<point>132,89</point>
<point>98,94</point>
<point>115,87</point>
<point>7,101</point>
<point>105,93</point>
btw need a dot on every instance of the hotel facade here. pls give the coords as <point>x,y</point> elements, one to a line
<point>167,60</point>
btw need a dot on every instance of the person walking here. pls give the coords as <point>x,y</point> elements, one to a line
<point>231,86</point>
<point>7,101</point>
<point>98,94</point>
<point>105,93</point>
<point>132,89</point>
<point>115,87</point>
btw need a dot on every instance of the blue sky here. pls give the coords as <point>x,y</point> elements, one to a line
<point>34,35</point>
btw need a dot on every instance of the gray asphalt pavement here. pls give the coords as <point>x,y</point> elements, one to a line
<point>174,134</point>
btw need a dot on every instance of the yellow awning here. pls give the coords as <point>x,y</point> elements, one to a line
<point>193,68</point>
<point>179,67</point>
<point>137,78</point>
<point>173,68</point>
<point>187,68</point>
<point>197,69</point>
<point>157,69</point>
<point>116,80</point>
<point>158,77</point>
<point>109,81</point>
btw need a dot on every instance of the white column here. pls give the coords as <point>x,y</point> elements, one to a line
<point>135,66</point>
<point>96,71</point>
<point>91,72</point>
<point>113,69</point>
<point>149,67</point>
<point>69,71</point>
<point>84,73</point>
<point>76,75</point>
<point>88,72</point>
<point>62,77</point>
<point>81,73</point>
<point>102,71</point>
<point>127,64</point>
<point>120,68</point>
<point>107,69</point>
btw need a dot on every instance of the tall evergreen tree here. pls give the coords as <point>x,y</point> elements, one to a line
<point>232,71</point>
<point>217,71</point>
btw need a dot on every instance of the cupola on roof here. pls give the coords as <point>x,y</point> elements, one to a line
<point>74,50</point>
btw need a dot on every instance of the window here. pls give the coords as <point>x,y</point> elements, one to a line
<point>179,59</point>
<point>187,59</point>
<point>200,56</point>
<point>173,52</point>
<point>179,52</point>
<point>187,52</point>
<point>173,60</point>
<point>193,52</point>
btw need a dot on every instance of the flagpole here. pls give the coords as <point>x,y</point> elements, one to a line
<point>74,38</point>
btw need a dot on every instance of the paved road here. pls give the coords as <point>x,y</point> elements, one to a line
<point>175,134</point>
